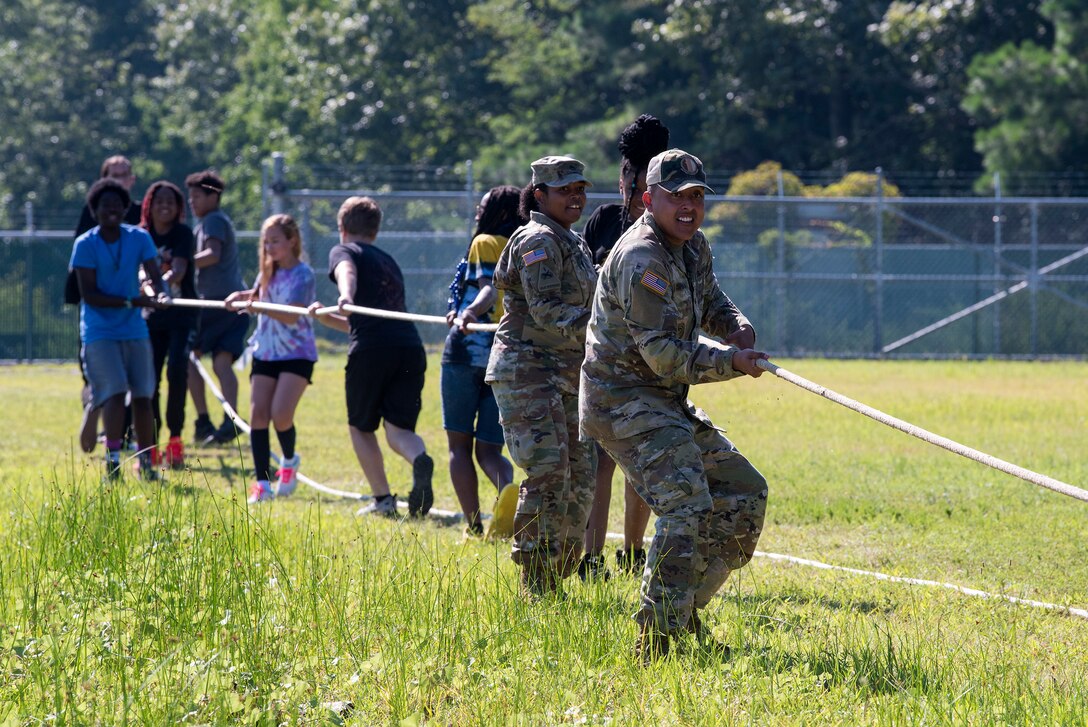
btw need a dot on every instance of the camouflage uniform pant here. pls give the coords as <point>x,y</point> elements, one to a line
<point>540,425</point>
<point>709,501</point>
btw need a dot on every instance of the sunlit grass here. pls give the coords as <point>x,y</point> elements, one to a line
<point>176,603</point>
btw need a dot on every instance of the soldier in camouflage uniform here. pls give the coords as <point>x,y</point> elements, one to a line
<point>656,291</point>
<point>547,276</point>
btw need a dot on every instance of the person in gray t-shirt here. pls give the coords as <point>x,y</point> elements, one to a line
<point>221,333</point>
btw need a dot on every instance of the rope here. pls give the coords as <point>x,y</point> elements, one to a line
<point>927,436</point>
<point>242,425</point>
<point>1067,610</point>
<point>989,460</point>
<point>399,316</point>
<point>299,310</point>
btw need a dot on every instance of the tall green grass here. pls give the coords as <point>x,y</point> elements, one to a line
<point>177,603</point>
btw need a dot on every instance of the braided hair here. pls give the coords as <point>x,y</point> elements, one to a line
<point>639,142</point>
<point>499,215</point>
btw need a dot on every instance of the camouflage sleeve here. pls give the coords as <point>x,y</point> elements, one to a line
<point>653,320</point>
<point>720,315</point>
<point>540,265</point>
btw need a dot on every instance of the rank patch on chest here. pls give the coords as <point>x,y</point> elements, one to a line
<point>655,282</point>
<point>534,256</point>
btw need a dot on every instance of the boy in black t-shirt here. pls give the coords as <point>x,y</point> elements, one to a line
<point>383,378</point>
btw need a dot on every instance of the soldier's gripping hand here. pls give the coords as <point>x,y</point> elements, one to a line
<point>745,360</point>
<point>743,337</point>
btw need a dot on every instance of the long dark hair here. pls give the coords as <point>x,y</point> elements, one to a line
<point>500,213</point>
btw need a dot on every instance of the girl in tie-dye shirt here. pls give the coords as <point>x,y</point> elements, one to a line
<point>284,352</point>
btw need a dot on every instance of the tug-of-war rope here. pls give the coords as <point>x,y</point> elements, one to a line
<point>784,374</point>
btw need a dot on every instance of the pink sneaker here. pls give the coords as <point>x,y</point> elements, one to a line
<point>260,491</point>
<point>288,476</point>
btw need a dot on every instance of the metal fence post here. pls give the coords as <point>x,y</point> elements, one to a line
<point>470,196</point>
<point>266,209</point>
<point>780,269</point>
<point>307,231</point>
<point>1033,290</point>
<point>29,302</point>
<point>279,183</point>
<point>878,318</point>
<point>997,261</point>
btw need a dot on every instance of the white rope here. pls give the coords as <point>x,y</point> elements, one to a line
<point>298,310</point>
<point>927,436</point>
<point>782,373</point>
<point>242,425</point>
<point>1067,610</point>
<point>399,316</point>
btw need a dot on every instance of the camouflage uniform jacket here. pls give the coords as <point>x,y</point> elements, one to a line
<point>547,277</point>
<point>642,348</point>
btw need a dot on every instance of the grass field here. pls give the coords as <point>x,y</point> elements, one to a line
<point>175,603</point>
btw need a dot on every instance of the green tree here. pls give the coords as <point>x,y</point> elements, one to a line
<point>68,71</point>
<point>1031,100</point>
<point>933,43</point>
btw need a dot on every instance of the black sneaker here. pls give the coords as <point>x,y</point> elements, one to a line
<point>631,561</point>
<point>421,497</point>
<point>592,568</point>
<point>202,429</point>
<point>225,434</point>
<point>113,469</point>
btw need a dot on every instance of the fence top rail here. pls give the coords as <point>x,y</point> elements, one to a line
<point>747,198</point>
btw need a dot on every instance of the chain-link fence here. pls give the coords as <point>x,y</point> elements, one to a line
<point>877,276</point>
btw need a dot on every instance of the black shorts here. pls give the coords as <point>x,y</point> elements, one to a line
<point>273,369</point>
<point>220,330</point>
<point>385,383</point>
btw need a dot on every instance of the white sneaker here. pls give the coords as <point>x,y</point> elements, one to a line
<point>386,507</point>
<point>288,476</point>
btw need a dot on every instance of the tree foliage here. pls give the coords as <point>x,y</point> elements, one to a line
<point>810,84</point>
<point>1031,99</point>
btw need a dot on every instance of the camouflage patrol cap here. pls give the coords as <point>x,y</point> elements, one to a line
<point>557,171</point>
<point>675,170</point>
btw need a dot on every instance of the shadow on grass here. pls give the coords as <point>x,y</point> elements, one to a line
<point>876,669</point>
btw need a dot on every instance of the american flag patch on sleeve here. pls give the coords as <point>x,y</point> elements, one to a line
<point>655,282</point>
<point>534,256</point>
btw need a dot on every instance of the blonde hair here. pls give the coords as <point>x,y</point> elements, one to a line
<point>267,267</point>
<point>360,216</point>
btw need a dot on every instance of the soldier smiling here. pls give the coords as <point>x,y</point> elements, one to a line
<point>656,291</point>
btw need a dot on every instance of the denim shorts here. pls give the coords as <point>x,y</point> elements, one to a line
<point>114,367</point>
<point>468,405</point>
<point>220,330</point>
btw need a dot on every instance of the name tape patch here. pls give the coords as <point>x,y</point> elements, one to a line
<point>655,282</point>
<point>534,256</point>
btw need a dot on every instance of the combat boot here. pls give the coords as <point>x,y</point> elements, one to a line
<point>705,642</point>
<point>538,577</point>
<point>652,644</point>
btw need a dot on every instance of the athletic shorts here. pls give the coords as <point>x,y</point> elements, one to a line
<point>385,383</point>
<point>273,369</point>
<point>468,404</point>
<point>220,330</point>
<point>116,367</point>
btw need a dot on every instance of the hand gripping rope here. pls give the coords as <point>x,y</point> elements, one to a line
<point>908,428</point>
